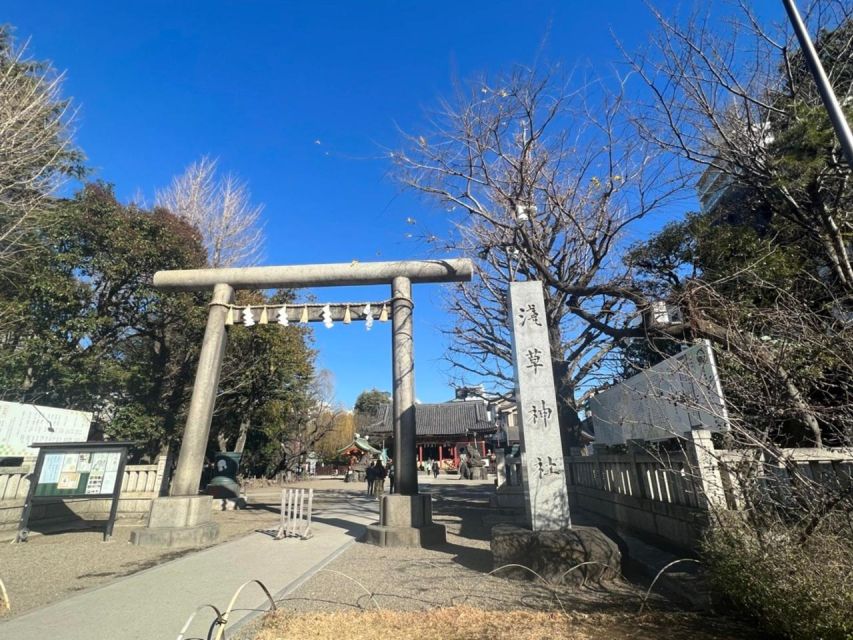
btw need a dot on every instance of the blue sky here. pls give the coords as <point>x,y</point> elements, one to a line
<point>257,84</point>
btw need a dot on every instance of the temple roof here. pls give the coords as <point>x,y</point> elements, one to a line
<point>361,444</point>
<point>442,419</point>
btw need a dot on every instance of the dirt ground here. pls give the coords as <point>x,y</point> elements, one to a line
<point>447,593</point>
<point>51,567</point>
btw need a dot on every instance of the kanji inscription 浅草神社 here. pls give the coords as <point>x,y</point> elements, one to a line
<point>543,479</point>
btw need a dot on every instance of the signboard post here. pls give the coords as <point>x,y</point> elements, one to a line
<point>92,470</point>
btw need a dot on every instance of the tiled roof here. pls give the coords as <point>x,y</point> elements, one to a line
<point>443,419</point>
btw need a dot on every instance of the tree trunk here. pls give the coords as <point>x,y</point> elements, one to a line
<point>241,439</point>
<point>564,388</point>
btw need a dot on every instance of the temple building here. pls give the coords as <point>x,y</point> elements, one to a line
<point>441,429</point>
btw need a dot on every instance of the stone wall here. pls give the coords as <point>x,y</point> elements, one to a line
<point>141,484</point>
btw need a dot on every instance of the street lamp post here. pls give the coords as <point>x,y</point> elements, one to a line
<point>830,102</point>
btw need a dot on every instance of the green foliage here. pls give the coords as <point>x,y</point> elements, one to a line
<point>90,331</point>
<point>369,401</point>
<point>265,387</point>
<point>792,588</point>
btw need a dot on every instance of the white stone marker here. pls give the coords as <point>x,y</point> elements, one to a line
<point>546,499</point>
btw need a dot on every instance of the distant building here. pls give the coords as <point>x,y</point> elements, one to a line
<point>441,427</point>
<point>506,423</point>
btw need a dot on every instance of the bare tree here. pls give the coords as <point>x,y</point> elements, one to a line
<point>733,97</point>
<point>734,100</point>
<point>36,152</point>
<point>221,209</point>
<point>317,419</point>
<point>541,177</point>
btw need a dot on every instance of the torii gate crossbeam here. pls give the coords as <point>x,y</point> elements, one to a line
<point>400,275</point>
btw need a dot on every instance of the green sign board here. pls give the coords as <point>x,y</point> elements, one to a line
<point>78,474</point>
<point>76,470</point>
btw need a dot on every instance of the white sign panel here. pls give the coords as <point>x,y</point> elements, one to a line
<point>23,424</point>
<point>673,397</point>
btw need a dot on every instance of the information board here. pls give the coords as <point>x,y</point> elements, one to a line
<point>76,470</point>
<point>23,424</point>
<point>78,474</point>
<point>673,397</point>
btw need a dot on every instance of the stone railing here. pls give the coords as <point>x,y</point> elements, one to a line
<point>670,496</point>
<point>141,483</point>
<point>507,470</point>
<point>661,498</point>
<point>668,481</point>
<point>741,470</point>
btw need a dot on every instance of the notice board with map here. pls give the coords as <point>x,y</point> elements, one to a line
<point>76,470</point>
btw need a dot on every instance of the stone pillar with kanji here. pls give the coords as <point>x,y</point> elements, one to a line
<point>546,498</point>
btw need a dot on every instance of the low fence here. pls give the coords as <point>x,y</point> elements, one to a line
<point>818,468</point>
<point>141,484</point>
<point>669,496</point>
<point>659,498</point>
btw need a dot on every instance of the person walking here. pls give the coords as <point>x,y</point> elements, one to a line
<point>391,484</point>
<point>370,476</point>
<point>435,470</point>
<point>379,479</point>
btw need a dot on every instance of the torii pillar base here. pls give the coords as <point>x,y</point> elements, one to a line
<point>178,521</point>
<point>406,521</point>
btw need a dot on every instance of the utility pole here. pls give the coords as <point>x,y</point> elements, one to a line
<point>833,108</point>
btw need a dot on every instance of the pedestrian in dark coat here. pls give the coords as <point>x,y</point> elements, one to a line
<point>370,476</point>
<point>379,479</point>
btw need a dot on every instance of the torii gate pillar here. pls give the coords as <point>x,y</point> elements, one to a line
<point>402,354</point>
<point>405,518</point>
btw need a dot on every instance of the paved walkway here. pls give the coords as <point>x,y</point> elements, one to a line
<point>157,602</point>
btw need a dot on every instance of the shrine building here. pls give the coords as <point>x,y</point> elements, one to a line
<point>441,428</point>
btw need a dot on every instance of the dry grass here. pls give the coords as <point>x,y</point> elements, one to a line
<point>467,623</point>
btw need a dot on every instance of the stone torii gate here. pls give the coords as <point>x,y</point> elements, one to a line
<point>405,518</point>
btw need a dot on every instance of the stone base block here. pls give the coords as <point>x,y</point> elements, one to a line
<point>431,535</point>
<point>176,536</point>
<point>552,553</point>
<point>180,511</point>
<point>405,521</point>
<point>177,521</point>
<point>507,497</point>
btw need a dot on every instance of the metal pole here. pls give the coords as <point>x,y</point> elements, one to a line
<point>404,386</point>
<point>833,108</point>
<point>200,415</point>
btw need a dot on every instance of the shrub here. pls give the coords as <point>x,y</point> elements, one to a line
<point>791,585</point>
